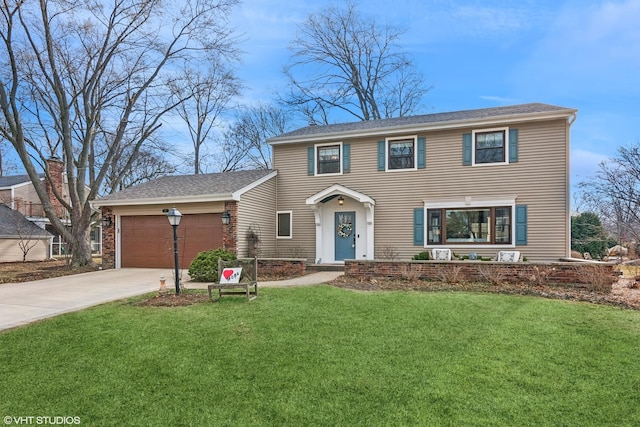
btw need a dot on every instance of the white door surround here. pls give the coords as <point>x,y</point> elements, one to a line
<point>324,205</point>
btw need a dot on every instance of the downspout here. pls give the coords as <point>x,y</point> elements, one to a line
<point>570,120</point>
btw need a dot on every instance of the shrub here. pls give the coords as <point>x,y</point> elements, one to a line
<point>451,274</point>
<point>422,256</point>
<point>389,253</point>
<point>204,267</point>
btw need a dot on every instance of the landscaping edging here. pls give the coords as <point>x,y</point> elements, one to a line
<point>588,276</point>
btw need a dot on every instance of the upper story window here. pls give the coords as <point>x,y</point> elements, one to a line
<point>329,159</point>
<point>491,146</point>
<point>402,154</point>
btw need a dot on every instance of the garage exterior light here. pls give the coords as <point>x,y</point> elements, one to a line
<point>226,217</point>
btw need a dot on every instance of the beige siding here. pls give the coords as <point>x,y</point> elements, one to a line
<point>26,193</point>
<point>5,197</point>
<point>185,208</point>
<point>10,250</point>
<point>538,180</point>
<point>256,211</point>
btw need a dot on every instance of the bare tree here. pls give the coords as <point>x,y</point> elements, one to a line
<point>208,91</point>
<point>88,81</point>
<point>27,240</point>
<point>342,60</point>
<point>149,163</point>
<point>251,130</point>
<point>614,193</point>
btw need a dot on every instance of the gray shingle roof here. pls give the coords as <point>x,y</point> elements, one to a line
<point>426,119</point>
<point>185,186</point>
<point>10,181</point>
<point>14,224</point>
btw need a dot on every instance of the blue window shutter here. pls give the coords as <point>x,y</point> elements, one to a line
<point>311,165</point>
<point>418,227</point>
<point>381,155</point>
<point>346,158</point>
<point>521,225</point>
<point>422,152</point>
<point>513,145</point>
<point>467,146</point>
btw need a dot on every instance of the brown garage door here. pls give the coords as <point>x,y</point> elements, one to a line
<point>147,241</point>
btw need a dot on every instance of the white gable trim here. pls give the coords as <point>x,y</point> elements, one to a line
<point>335,190</point>
<point>237,194</point>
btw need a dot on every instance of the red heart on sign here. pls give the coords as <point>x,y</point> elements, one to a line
<point>227,273</point>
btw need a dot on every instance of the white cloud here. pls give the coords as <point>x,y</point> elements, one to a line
<point>589,46</point>
<point>449,21</point>
<point>501,100</point>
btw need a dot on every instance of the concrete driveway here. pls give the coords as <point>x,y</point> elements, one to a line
<point>23,303</point>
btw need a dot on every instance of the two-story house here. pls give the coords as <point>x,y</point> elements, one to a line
<point>18,193</point>
<point>473,181</point>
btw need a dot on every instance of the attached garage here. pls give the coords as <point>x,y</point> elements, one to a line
<point>139,234</point>
<point>147,240</point>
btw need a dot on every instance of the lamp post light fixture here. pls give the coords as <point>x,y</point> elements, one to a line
<point>174,217</point>
<point>226,217</point>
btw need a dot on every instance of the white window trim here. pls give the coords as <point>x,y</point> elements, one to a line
<point>506,146</point>
<point>317,158</point>
<point>470,203</point>
<point>290,236</point>
<point>387,151</point>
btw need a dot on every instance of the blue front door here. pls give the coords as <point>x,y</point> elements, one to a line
<point>345,235</point>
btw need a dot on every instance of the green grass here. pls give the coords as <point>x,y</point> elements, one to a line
<point>322,356</point>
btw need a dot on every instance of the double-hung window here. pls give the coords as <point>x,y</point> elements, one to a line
<point>328,159</point>
<point>490,147</point>
<point>451,226</point>
<point>402,154</point>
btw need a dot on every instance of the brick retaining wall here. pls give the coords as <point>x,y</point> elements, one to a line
<point>590,276</point>
<point>281,267</point>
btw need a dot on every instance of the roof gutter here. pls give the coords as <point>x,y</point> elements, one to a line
<point>165,200</point>
<point>415,128</point>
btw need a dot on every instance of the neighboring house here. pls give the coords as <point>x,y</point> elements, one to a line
<point>473,181</point>
<point>18,192</point>
<point>21,239</point>
<point>142,237</point>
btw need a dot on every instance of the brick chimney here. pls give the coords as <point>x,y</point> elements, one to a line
<point>56,170</point>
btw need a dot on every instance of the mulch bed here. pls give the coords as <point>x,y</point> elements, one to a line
<point>18,272</point>
<point>624,293</point>
<point>185,298</point>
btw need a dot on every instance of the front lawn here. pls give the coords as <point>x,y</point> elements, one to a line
<point>327,356</point>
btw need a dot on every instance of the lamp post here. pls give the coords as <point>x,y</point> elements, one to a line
<point>174,217</point>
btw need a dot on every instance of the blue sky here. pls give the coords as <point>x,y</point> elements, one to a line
<point>582,54</point>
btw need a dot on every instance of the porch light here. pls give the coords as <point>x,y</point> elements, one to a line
<point>340,200</point>
<point>226,217</point>
<point>174,217</point>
